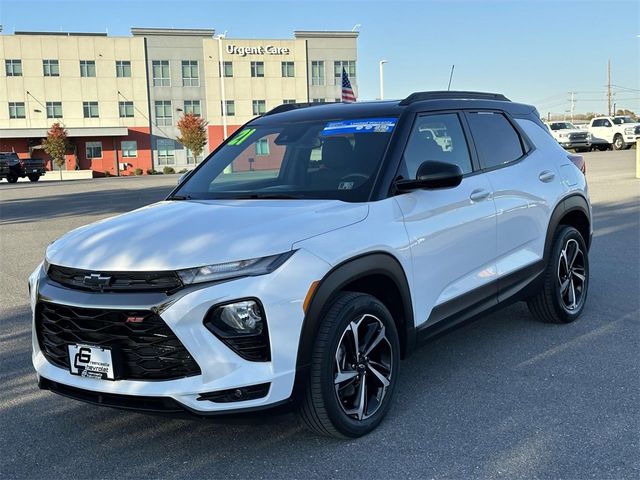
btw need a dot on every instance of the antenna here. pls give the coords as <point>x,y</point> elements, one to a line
<point>356,27</point>
<point>450,77</point>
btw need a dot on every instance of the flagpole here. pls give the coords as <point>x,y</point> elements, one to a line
<point>382,62</point>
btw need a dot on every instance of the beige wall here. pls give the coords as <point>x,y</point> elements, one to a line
<point>242,88</point>
<point>69,87</point>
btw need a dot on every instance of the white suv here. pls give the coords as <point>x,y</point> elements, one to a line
<point>309,253</point>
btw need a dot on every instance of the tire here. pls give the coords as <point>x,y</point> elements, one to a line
<point>12,178</point>
<point>34,178</point>
<point>603,148</point>
<point>582,150</point>
<point>554,303</point>
<point>338,412</point>
<point>618,142</point>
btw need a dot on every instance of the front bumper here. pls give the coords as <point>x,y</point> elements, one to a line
<point>282,294</point>
<point>575,143</point>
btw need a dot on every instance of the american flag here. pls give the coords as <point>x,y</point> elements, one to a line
<point>347,92</point>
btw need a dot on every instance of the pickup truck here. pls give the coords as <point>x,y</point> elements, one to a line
<point>619,132</point>
<point>12,167</point>
<point>570,136</point>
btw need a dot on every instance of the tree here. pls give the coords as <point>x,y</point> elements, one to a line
<point>56,145</point>
<point>193,133</point>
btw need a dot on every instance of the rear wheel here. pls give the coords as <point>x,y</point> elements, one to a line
<point>34,178</point>
<point>566,280</point>
<point>12,178</point>
<point>618,142</point>
<point>354,368</point>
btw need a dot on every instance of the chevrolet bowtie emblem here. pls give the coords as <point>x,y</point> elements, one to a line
<point>96,280</point>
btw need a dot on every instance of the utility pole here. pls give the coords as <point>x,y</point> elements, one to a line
<point>573,103</point>
<point>381,63</point>
<point>609,85</point>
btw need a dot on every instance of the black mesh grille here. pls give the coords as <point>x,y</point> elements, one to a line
<point>143,347</point>
<point>117,281</point>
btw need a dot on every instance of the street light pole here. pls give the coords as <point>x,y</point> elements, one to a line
<point>382,62</point>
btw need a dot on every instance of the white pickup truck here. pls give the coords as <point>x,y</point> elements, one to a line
<point>570,136</point>
<point>619,132</point>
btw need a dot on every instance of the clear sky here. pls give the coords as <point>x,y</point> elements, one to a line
<point>533,51</point>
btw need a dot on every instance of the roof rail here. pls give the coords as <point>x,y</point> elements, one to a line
<point>286,107</point>
<point>446,94</point>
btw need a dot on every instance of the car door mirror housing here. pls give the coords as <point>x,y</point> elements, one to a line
<point>431,175</point>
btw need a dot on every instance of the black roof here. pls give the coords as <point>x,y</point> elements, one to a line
<point>419,101</point>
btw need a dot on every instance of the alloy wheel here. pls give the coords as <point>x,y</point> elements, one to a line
<point>572,275</point>
<point>363,366</point>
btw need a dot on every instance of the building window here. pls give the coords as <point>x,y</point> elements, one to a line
<point>317,72</point>
<point>164,115</point>
<point>129,148</point>
<point>13,67</point>
<point>16,110</point>
<point>338,100</point>
<point>123,68</point>
<point>87,68</point>
<point>191,159</point>
<point>231,108</point>
<point>94,150</point>
<point>125,109</point>
<point>288,69</point>
<point>166,151</point>
<point>318,100</point>
<point>257,69</point>
<point>348,65</point>
<point>192,106</point>
<point>289,100</point>
<point>51,68</point>
<point>90,109</point>
<point>262,147</point>
<point>227,68</point>
<point>259,107</point>
<point>190,76</point>
<point>54,109</point>
<point>161,77</point>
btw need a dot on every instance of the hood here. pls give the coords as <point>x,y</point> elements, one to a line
<point>173,235</point>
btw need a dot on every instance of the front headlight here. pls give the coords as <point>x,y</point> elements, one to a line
<point>563,135</point>
<point>629,130</point>
<point>241,268</point>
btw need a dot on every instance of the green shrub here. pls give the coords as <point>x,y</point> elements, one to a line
<point>107,173</point>
<point>151,171</point>
<point>184,170</point>
<point>138,171</point>
<point>168,170</point>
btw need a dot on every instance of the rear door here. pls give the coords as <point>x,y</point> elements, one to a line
<point>452,231</point>
<point>525,184</point>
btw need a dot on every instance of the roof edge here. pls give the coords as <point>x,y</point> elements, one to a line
<point>325,34</point>
<point>182,32</point>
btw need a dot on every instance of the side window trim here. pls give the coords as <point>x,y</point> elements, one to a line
<point>525,143</point>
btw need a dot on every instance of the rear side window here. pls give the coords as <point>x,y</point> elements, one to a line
<point>497,142</point>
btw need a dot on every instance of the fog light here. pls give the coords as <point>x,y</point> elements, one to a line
<point>241,318</point>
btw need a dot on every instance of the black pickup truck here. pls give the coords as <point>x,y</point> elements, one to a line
<point>12,167</point>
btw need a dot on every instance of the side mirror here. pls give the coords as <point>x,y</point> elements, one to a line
<point>431,175</point>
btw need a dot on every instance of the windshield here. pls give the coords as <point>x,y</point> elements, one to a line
<point>562,126</point>
<point>312,160</point>
<point>621,120</point>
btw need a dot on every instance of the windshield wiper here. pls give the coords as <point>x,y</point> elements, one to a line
<point>179,197</point>
<point>267,196</point>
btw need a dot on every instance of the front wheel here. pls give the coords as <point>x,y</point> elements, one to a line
<point>566,280</point>
<point>618,143</point>
<point>12,178</point>
<point>354,368</point>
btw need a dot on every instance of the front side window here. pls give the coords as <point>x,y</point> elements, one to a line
<point>259,107</point>
<point>94,150</point>
<point>125,109</point>
<point>87,68</point>
<point>325,159</point>
<point>257,69</point>
<point>16,110</point>
<point>497,142</point>
<point>437,138</point>
<point>51,68</point>
<point>166,151</point>
<point>288,69</point>
<point>192,106</point>
<point>164,115</point>
<point>90,109</point>
<point>129,148</point>
<point>190,74</point>
<point>317,72</point>
<point>13,68</point>
<point>160,70</point>
<point>123,68</point>
<point>54,109</point>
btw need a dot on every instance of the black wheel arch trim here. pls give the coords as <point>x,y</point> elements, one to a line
<point>574,202</point>
<point>372,263</point>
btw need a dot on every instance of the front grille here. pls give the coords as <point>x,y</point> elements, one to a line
<point>146,349</point>
<point>578,136</point>
<point>166,281</point>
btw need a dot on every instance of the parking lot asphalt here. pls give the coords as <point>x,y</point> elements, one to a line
<point>502,397</point>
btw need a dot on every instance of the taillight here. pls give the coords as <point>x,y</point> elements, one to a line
<point>578,161</point>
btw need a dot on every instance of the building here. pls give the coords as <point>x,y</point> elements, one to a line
<point>120,97</point>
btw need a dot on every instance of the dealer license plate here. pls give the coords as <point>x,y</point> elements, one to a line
<point>91,361</point>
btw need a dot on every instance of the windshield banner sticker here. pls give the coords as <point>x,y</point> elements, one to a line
<point>242,136</point>
<point>362,125</point>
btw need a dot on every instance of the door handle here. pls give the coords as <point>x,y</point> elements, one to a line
<point>479,194</point>
<point>546,176</point>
